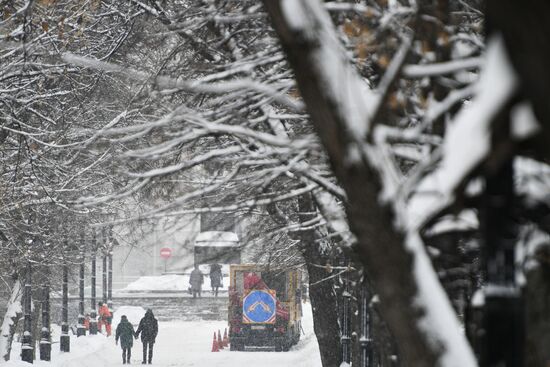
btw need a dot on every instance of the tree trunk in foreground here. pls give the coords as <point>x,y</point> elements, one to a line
<point>11,317</point>
<point>321,293</point>
<point>65,341</point>
<point>380,248</point>
<point>27,341</point>
<point>323,303</point>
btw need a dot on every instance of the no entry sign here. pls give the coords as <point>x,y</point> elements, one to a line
<point>165,252</point>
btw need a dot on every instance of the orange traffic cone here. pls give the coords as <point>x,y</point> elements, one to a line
<point>225,341</point>
<point>220,341</point>
<point>215,347</point>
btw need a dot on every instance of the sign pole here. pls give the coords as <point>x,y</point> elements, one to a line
<point>165,254</point>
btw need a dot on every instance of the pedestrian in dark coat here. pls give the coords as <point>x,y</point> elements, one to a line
<point>196,279</point>
<point>216,278</point>
<point>125,332</point>
<point>149,328</point>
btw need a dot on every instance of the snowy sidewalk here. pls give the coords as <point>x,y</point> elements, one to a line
<point>182,343</point>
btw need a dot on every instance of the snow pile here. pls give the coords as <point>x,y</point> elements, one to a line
<point>158,283</point>
<point>171,282</point>
<point>133,313</point>
<point>81,349</point>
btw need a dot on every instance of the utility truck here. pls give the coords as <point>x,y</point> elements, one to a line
<point>265,308</point>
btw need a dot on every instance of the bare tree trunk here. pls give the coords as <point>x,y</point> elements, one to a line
<point>110,280</point>
<point>321,292</point>
<point>45,334</point>
<point>325,317</point>
<point>65,341</point>
<point>104,265</point>
<point>93,312</point>
<point>81,331</point>
<point>27,350</point>
<point>11,318</point>
<point>381,249</point>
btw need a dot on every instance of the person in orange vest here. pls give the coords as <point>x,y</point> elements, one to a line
<point>99,321</point>
<point>106,317</point>
<point>87,321</point>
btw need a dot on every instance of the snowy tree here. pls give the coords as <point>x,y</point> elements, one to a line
<point>346,111</point>
<point>379,141</point>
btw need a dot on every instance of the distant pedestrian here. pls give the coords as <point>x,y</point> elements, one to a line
<point>87,321</point>
<point>196,280</point>
<point>216,278</point>
<point>125,332</point>
<point>105,318</point>
<point>148,327</point>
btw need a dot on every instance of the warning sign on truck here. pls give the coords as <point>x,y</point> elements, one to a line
<point>260,307</point>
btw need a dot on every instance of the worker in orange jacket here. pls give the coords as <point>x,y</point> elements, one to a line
<point>87,321</point>
<point>105,318</point>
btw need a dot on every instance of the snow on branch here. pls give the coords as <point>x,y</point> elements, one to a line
<point>169,84</point>
<point>442,68</point>
<point>249,204</point>
<point>351,95</point>
<point>468,140</point>
<point>360,9</point>
<point>186,164</point>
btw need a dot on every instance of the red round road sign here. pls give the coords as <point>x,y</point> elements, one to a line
<point>165,252</point>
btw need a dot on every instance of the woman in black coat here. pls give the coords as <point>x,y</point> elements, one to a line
<point>125,332</point>
<point>148,327</point>
<point>216,278</point>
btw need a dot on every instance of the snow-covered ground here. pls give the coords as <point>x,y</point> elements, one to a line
<point>179,343</point>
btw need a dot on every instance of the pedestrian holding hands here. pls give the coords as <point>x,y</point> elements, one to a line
<point>148,327</point>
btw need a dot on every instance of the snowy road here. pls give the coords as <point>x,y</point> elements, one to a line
<point>184,343</point>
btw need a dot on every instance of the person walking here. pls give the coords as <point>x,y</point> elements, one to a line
<point>148,327</point>
<point>105,318</point>
<point>216,278</point>
<point>196,280</point>
<point>125,332</point>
